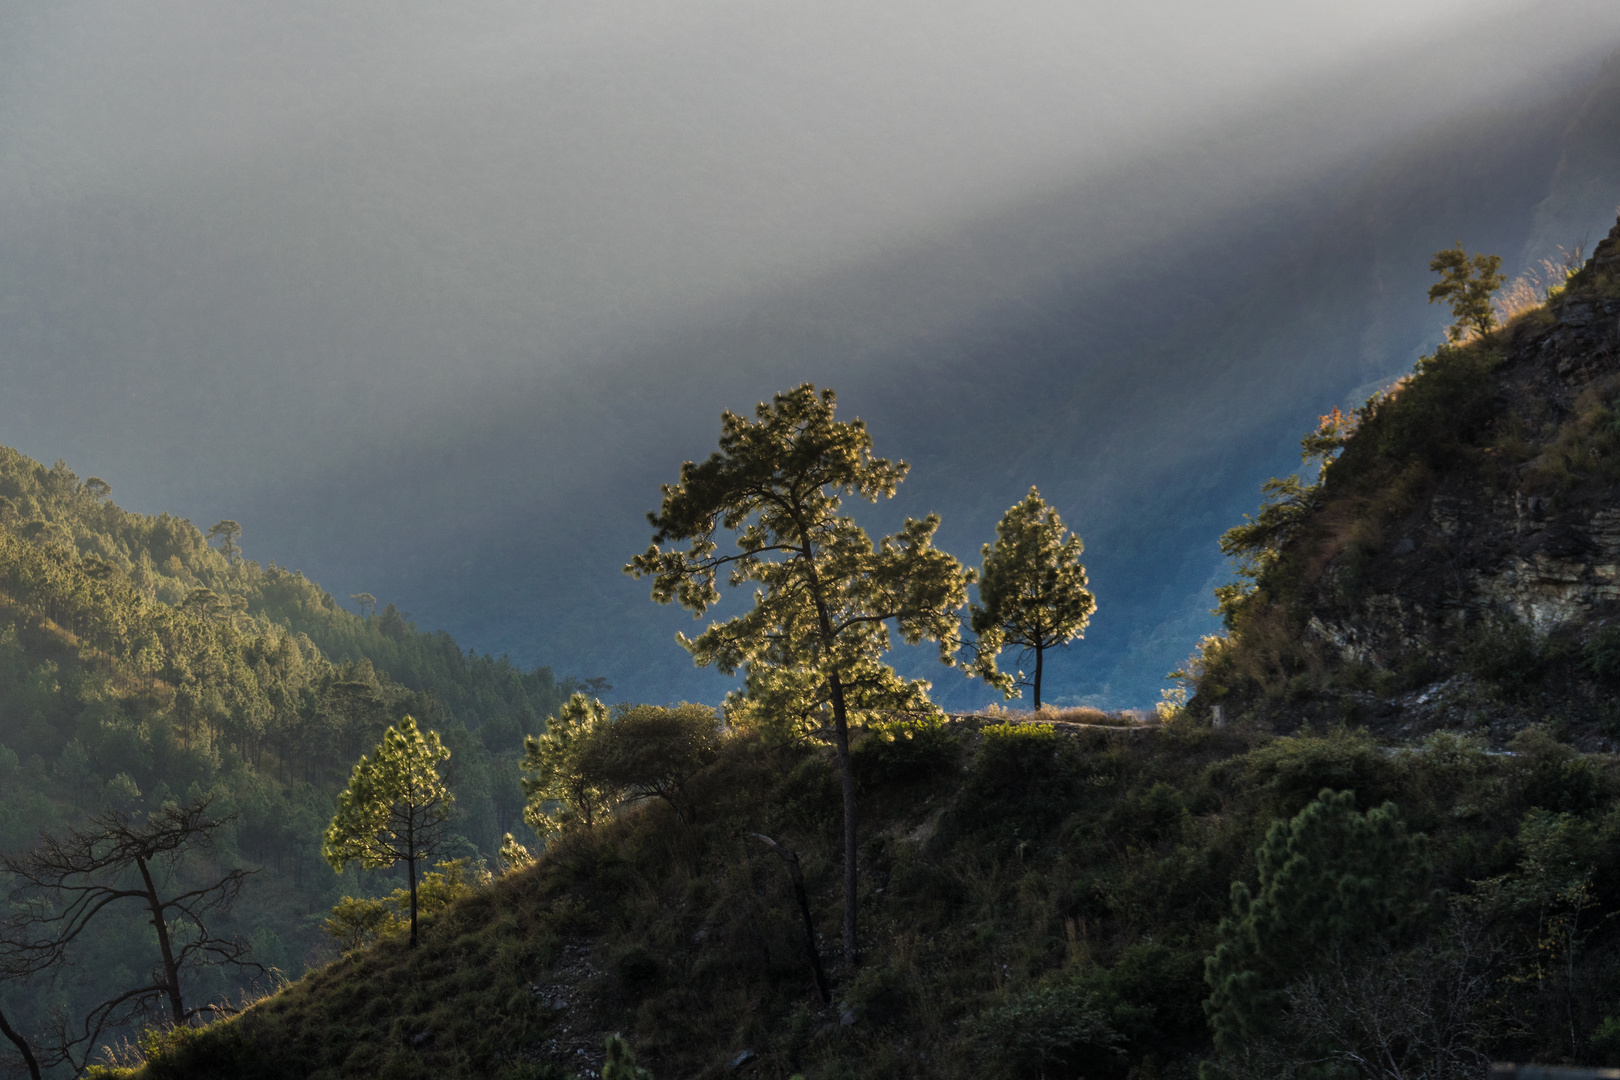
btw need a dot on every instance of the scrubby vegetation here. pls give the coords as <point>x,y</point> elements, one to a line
<point>1481,422</point>
<point>1035,903</point>
<point>142,666</point>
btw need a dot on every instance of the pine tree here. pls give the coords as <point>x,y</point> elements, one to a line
<point>814,641</point>
<point>1468,284</point>
<point>1332,882</point>
<point>1032,594</point>
<point>396,807</point>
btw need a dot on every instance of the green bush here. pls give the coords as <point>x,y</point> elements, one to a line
<point>1602,655</point>
<point>1020,786</point>
<point>1288,774</point>
<point>1050,1031</point>
<point>1333,882</point>
<point>1505,652</point>
<point>901,751</point>
<point>880,995</point>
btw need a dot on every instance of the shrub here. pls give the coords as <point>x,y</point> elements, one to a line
<point>1289,773</point>
<point>1057,1030</point>
<point>1332,883</point>
<point>1554,776</point>
<point>1020,785</point>
<point>1602,655</point>
<point>1505,652</point>
<point>880,995</point>
<point>652,751</point>
<point>899,751</point>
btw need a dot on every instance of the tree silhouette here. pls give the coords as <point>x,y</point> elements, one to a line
<point>826,593</point>
<point>63,885</point>
<point>1032,594</point>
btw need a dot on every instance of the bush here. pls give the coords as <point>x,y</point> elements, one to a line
<point>880,995</point>
<point>901,751</point>
<point>1554,776</point>
<point>1602,655</point>
<point>1288,773</point>
<point>1505,652</point>
<point>1333,882</point>
<point>1020,785</point>
<point>1050,1031</point>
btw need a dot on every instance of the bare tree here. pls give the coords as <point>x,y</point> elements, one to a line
<point>64,884</point>
<point>1429,1012</point>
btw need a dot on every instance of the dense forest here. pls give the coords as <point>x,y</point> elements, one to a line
<point>144,663</point>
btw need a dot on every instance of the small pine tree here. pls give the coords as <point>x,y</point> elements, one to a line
<point>621,1061</point>
<point>1032,593</point>
<point>1469,285</point>
<point>1332,882</point>
<point>558,789</point>
<point>396,807</point>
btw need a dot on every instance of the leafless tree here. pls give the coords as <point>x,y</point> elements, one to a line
<point>63,884</point>
<point>1430,1011</point>
<point>1425,1013</point>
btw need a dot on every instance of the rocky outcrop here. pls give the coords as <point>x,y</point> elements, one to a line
<point>1488,541</point>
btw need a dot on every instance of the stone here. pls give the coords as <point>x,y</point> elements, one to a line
<point>741,1059</point>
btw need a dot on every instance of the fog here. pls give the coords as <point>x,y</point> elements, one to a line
<point>430,297</point>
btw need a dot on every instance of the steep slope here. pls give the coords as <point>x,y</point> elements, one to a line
<point>1470,525</point>
<point>139,666</point>
<point>1034,903</point>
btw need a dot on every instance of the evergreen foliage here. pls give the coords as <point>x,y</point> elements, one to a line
<point>812,645</point>
<point>1332,883</point>
<point>560,790</point>
<point>1032,591</point>
<point>396,807</point>
<point>1468,285</point>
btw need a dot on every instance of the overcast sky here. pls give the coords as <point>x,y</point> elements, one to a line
<point>248,248</point>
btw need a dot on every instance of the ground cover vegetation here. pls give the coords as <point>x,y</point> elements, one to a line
<point>1484,422</point>
<point>147,666</point>
<point>1176,898</point>
<point>1034,902</point>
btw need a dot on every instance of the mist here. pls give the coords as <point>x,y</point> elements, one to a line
<point>430,298</point>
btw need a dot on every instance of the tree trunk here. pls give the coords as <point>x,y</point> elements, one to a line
<point>1039,653</point>
<point>171,973</point>
<point>846,769</point>
<point>22,1047</point>
<point>410,864</point>
<point>846,777</point>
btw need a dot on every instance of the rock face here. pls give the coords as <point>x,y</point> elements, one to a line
<point>1494,538</point>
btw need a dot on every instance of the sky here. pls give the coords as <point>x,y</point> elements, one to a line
<point>430,297</point>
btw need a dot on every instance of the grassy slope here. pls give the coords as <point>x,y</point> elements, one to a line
<point>997,867</point>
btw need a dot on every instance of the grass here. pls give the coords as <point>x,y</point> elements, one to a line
<point>1031,871</point>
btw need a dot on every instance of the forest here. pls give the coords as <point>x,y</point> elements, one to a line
<point>144,664</point>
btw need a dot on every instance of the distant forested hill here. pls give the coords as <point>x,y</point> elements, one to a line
<point>141,664</point>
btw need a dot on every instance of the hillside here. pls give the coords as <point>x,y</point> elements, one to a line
<point>1458,562</point>
<point>1036,903</point>
<point>140,665</point>
<point>1186,898</point>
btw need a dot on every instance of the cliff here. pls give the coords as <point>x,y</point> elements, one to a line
<point>1466,537</point>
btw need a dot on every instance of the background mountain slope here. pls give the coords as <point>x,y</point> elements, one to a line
<point>441,342</point>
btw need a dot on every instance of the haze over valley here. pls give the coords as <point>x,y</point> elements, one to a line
<point>431,300</point>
